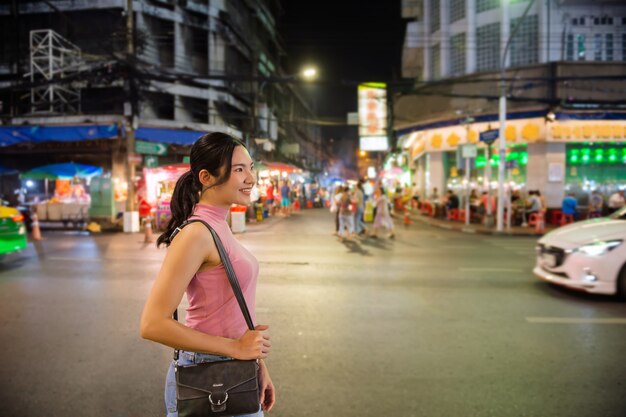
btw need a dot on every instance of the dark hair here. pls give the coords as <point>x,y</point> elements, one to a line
<point>213,152</point>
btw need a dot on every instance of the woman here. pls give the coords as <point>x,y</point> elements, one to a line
<point>221,174</point>
<point>346,208</point>
<point>383,218</point>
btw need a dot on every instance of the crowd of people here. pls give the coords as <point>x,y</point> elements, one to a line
<point>524,204</point>
<point>348,204</point>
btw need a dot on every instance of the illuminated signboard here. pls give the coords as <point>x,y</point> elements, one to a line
<point>373,143</point>
<point>373,115</point>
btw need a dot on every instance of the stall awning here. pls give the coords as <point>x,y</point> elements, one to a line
<point>177,137</point>
<point>281,166</point>
<point>13,135</point>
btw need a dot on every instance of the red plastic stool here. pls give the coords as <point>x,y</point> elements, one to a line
<point>532,219</point>
<point>453,214</point>
<point>566,219</point>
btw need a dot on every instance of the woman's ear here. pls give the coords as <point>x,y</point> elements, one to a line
<point>205,178</point>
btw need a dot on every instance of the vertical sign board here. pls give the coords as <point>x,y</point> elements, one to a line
<point>373,116</point>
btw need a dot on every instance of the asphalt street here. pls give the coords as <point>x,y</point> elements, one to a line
<point>432,323</point>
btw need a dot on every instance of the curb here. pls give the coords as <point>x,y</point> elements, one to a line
<point>472,230</point>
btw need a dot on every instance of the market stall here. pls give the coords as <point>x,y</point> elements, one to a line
<point>70,200</point>
<point>158,190</point>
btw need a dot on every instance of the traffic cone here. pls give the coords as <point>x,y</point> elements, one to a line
<point>407,219</point>
<point>148,236</point>
<point>540,224</point>
<point>35,227</point>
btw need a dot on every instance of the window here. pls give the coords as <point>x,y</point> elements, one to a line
<point>569,47</point>
<point>435,15</point>
<point>575,22</point>
<point>608,44</point>
<point>457,10</point>
<point>435,62</point>
<point>581,51</point>
<point>525,44</point>
<point>484,5</point>
<point>597,47</point>
<point>623,46</point>
<point>582,21</point>
<point>457,54</point>
<point>488,47</point>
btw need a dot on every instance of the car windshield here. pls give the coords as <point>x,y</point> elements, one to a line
<point>619,214</point>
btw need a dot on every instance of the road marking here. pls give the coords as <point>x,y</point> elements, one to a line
<point>575,320</point>
<point>491,270</point>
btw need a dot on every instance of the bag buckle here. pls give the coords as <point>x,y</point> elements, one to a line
<point>218,406</point>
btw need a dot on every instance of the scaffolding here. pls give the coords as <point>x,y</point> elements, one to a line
<point>52,57</point>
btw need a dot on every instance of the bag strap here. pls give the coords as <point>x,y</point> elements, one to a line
<point>230,273</point>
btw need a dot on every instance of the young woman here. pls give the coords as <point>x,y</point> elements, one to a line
<point>383,218</point>
<point>221,174</point>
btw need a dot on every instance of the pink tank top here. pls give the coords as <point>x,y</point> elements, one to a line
<point>213,308</point>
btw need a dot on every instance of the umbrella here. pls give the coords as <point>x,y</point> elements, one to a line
<point>67,170</point>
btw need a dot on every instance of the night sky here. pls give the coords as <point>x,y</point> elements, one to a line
<point>347,40</point>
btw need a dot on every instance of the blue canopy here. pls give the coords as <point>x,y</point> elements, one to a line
<point>178,137</point>
<point>67,170</point>
<point>12,135</point>
<point>6,170</point>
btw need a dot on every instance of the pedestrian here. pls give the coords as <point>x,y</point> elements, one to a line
<point>221,174</point>
<point>334,206</point>
<point>596,204</point>
<point>285,202</point>
<point>569,205</point>
<point>270,197</point>
<point>347,209</point>
<point>383,218</point>
<point>452,202</point>
<point>359,197</point>
<point>616,201</point>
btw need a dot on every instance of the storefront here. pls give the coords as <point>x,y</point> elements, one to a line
<point>576,152</point>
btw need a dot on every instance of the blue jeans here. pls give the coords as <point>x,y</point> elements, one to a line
<point>359,225</point>
<point>188,358</point>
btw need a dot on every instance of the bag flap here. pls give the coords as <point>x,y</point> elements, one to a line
<point>231,376</point>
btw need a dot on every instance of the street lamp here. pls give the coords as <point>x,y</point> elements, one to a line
<point>502,119</point>
<point>309,73</point>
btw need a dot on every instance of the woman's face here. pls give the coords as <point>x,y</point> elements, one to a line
<point>242,178</point>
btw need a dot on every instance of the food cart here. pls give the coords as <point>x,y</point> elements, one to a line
<point>158,190</point>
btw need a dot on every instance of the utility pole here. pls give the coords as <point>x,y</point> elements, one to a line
<point>502,119</point>
<point>131,216</point>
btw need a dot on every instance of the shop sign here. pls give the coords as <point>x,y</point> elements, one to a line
<point>186,159</point>
<point>134,159</point>
<point>469,151</point>
<point>489,136</point>
<point>372,109</point>
<point>149,148</point>
<point>150,161</point>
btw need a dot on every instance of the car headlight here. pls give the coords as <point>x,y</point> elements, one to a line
<point>599,248</point>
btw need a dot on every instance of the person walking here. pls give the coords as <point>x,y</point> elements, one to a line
<point>359,197</point>
<point>285,201</point>
<point>347,209</point>
<point>221,174</point>
<point>383,218</point>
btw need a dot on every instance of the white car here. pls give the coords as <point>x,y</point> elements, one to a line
<point>588,256</point>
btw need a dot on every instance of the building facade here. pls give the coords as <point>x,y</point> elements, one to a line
<point>565,72</point>
<point>195,66</point>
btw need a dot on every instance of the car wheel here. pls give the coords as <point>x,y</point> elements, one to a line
<point>621,284</point>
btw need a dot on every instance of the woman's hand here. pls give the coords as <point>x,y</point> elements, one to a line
<point>254,344</point>
<point>266,388</point>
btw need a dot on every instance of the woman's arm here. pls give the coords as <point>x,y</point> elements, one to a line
<point>192,247</point>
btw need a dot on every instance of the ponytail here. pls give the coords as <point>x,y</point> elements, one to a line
<point>186,195</point>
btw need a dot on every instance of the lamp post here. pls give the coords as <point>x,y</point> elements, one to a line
<point>502,119</point>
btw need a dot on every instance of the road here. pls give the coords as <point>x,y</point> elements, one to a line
<point>432,323</point>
